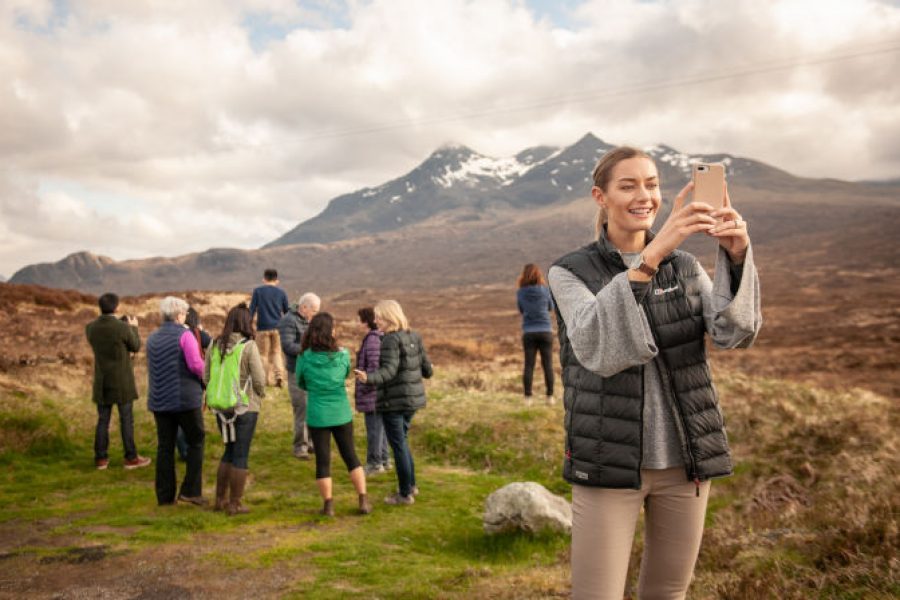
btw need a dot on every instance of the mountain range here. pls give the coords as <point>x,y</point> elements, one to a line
<point>461,218</point>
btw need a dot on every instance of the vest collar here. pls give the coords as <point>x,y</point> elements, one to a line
<point>612,254</point>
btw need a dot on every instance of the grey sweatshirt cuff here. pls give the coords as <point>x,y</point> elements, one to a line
<point>735,305</point>
<point>608,332</point>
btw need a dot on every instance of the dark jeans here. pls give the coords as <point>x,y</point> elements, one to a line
<point>126,427</point>
<point>237,453</point>
<point>167,424</point>
<point>376,441</point>
<point>343,437</point>
<point>396,427</point>
<point>181,444</point>
<point>533,342</point>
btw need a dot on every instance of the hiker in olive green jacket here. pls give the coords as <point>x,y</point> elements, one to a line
<point>322,369</point>
<point>113,342</point>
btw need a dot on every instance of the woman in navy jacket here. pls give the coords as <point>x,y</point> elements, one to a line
<point>535,305</point>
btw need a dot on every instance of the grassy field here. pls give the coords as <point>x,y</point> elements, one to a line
<point>812,512</point>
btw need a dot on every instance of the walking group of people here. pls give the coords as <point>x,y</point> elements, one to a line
<point>643,426</point>
<point>188,371</point>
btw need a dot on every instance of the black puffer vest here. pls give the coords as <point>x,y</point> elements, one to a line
<point>604,415</point>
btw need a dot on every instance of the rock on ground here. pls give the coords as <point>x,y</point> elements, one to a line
<point>526,506</point>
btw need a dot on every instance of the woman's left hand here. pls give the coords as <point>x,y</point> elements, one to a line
<point>731,231</point>
<point>361,376</point>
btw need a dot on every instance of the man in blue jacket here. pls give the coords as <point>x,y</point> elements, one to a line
<point>268,304</point>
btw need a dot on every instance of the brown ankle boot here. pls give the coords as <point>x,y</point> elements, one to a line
<point>237,482</point>
<point>222,480</point>
<point>365,507</point>
<point>328,508</point>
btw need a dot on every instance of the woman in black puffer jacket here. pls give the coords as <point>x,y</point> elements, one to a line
<point>402,365</point>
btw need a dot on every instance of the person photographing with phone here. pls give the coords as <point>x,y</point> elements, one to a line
<point>643,423</point>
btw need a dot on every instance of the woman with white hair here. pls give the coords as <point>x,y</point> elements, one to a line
<point>175,372</point>
<point>402,363</point>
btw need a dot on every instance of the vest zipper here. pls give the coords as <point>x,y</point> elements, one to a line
<point>681,425</point>
<point>641,442</point>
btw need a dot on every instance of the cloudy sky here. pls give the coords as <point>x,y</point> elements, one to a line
<point>144,128</point>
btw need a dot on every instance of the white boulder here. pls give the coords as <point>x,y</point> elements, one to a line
<point>526,506</point>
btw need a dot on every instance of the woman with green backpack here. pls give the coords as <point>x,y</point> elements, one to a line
<point>235,384</point>
<point>322,370</point>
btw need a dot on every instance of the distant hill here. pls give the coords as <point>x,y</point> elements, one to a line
<point>461,218</point>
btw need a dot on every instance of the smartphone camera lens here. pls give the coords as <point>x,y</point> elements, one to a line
<point>701,168</point>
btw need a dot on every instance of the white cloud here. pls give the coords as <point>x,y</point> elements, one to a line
<point>225,122</point>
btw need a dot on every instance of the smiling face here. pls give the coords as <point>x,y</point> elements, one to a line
<point>632,196</point>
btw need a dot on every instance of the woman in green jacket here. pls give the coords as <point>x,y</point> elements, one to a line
<point>321,370</point>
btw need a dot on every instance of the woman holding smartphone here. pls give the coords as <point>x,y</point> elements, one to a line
<point>643,424</point>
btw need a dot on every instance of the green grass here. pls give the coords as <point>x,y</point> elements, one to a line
<point>420,551</point>
<point>810,513</point>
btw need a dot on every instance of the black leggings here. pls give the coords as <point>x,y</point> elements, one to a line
<point>533,342</point>
<point>343,437</point>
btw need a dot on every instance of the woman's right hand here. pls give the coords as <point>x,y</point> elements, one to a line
<point>683,222</point>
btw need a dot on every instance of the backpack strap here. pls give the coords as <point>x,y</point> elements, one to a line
<point>226,425</point>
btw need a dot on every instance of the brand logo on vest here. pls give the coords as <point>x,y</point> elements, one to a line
<point>661,291</point>
<point>582,475</point>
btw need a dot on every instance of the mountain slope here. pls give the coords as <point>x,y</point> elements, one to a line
<point>464,219</point>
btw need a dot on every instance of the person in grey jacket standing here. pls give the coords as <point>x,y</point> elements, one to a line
<point>291,328</point>
<point>643,423</point>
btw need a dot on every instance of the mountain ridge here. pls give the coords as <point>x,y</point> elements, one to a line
<point>453,220</point>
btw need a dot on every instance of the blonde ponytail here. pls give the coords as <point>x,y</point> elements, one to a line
<point>600,221</point>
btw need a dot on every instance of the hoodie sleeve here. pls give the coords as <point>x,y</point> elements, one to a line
<point>608,331</point>
<point>731,302</point>
<point>256,369</point>
<point>190,349</point>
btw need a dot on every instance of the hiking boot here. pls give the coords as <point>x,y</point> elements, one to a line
<point>137,462</point>
<point>365,507</point>
<point>371,470</point>
<point>387,466</point>
<point>237,482</point>
<point>222,477</point>
<point>302,453</point>
<point>550,400</point>
<point>400,500</point>
<point>528,400</point>
<point>328,508</point>
<point>195,500</point>
<point>414,491</point>
<point>101,463</point>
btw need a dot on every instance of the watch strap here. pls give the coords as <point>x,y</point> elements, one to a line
<point>645,268</point>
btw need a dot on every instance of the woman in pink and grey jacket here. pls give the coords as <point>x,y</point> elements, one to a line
<point>377,458</point>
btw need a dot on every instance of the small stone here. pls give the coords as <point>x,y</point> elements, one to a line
<point>526,506</point>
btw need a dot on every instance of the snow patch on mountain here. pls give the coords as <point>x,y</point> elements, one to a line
<point>680,160</point>
<point>477,167</point>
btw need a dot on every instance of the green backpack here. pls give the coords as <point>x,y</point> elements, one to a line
<point>224,391</point>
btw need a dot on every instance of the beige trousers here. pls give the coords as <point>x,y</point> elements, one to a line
<point>270,350</point>
<point>603,524</point>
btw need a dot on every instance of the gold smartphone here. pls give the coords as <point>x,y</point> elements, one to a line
<point>709,183</point>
